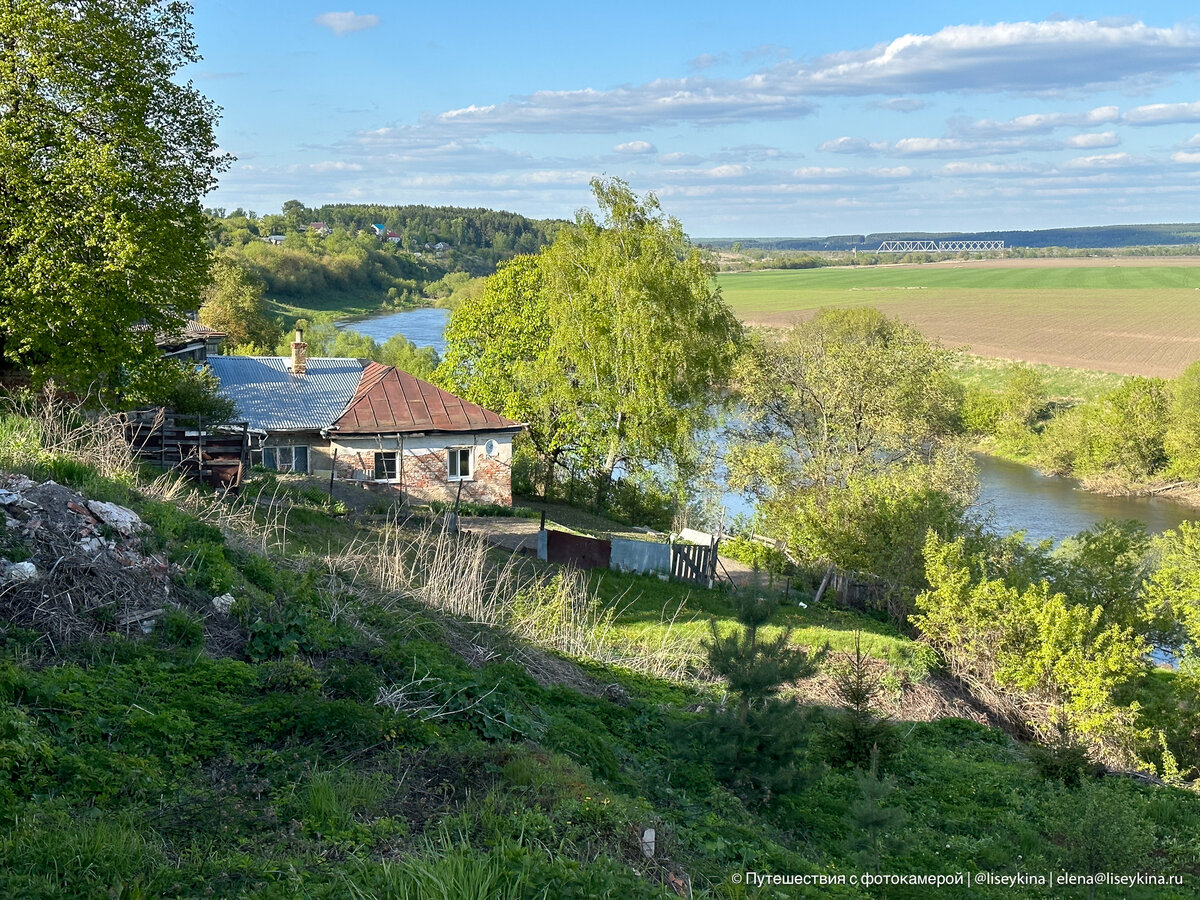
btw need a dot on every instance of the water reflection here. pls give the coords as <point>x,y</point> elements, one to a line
<point>1017,497</point>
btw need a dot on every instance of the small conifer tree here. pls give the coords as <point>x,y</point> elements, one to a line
<point>875,826</point>
<point>754,741</point>
<point>858,735</point>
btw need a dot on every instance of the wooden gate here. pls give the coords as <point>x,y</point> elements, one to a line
<point>693,562</point>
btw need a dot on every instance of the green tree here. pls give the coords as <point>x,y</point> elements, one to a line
<point>849,392</point>
<point>847,442</point>
<point>1121,434</point>
<point>876,828</point>
<point>858,735</point>
<point>181,386</point>
<point>636,339</point>
<point>1173,591</point>
<point>233,303</point>
<point>402,353</point>
<point>1182,441</point>
<point>1107,566</point>
<point>1024,396</point>
<point>1048,662</point>
<point>753,742</point>
<point>104,156</point>
<point>1101,828</point>
<point>497,355</point>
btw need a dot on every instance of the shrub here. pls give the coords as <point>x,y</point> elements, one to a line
<point>182,629</point>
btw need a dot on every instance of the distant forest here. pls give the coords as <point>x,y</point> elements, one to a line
<point>1104,236</point>
<point>348,266</point>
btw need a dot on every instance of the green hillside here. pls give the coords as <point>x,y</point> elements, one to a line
<point>384,711</point>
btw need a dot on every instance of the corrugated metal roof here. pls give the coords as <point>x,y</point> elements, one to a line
<point>270,398</point>
<point>390,400</point>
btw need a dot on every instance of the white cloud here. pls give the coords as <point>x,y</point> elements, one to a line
<point>680,159</point>
<point>726,171</point>
<point>900,104</point>
<point>635,147</point>
<point>654,104</point>
<point>1187,157</point>
<point>1008,56</point>
<point>346,22</point>
<point>1094,141</point>
<point>330,165</point>
<point>1035,123</point>
<point>853,145</point>
<point>977,169</point>
<point>925,146</point>
<point>820,172</point>
<point>1104,161</point>
<point>1164,114</point>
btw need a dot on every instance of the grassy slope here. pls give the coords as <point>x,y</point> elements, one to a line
<point>1132,319</point>
<point>332,306</point>
<point>149,768</point>
<point>1062,382</point>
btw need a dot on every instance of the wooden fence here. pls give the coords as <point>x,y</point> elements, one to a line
<point>216,453</point>
<point>693,562</point>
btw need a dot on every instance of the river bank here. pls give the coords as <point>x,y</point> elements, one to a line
<point>1183,493</point>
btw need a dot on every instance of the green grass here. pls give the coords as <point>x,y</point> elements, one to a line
<point>332,306</point>
<point>1062,382</point>
<point>1142,320</point>
<point>650,609</point>
<point>171,765</point>
<point>580,521</point>
<point>775,291</point>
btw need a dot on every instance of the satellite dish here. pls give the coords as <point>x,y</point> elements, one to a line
<point>491,448</point>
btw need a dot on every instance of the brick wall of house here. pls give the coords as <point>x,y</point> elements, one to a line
<point>423,473</point>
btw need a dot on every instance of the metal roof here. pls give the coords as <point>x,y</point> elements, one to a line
<point>270,398</point>
<point>390,400</point>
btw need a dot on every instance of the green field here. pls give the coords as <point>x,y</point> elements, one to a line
<point>1140,316</point>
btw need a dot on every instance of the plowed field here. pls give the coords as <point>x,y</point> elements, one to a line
<point>1130,315</point>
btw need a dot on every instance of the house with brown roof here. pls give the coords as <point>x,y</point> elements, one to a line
<point>369,424</point>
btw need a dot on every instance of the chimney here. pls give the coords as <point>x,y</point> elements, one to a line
<point>299,354</point>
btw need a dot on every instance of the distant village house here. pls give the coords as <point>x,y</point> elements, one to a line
<point>371,424</point>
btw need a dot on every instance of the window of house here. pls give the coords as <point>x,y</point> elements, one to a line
<point>459,464</point>
<point>286,459</point>
<point>387,466</point>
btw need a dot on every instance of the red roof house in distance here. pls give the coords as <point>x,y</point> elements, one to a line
<point>422,440</point>
<point>372,424</point>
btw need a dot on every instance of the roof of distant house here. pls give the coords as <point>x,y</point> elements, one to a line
<point>268,396</point>
<point>191,331</point>
<point>391,401</point>
<point>350,396</point>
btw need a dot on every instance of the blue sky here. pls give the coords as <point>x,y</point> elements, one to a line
<point>765,119</point>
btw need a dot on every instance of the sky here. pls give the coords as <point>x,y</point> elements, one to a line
<point>762,120</point>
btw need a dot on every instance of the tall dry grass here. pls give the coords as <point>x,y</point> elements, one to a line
<point>462,575</point>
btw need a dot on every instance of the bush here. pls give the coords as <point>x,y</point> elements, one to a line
<point>182,629</point>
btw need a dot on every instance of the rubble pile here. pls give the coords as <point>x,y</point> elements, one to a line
<point>78,568</point>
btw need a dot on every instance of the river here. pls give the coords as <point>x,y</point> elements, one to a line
<point>425,327</point>
<point>1012,497</point>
